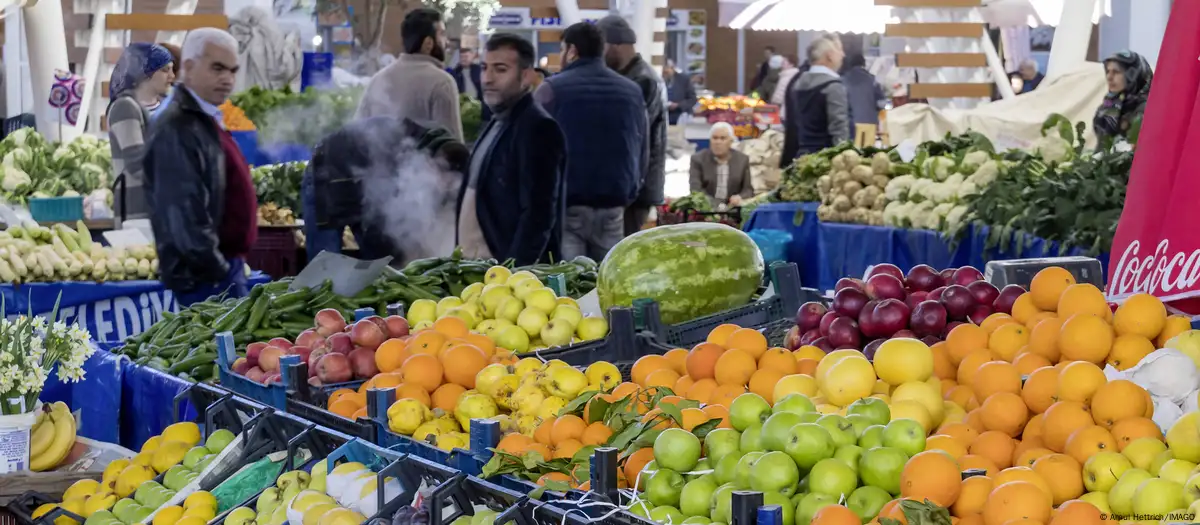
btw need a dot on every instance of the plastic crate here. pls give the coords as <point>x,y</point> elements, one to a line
<point>56,209</point>
<point>308,403</point>
<point>788,297</point>
<point>273,395</point>
<point>275,252</point>
<point>772,243</point>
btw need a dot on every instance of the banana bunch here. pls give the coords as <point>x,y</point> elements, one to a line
<point>52,437</point>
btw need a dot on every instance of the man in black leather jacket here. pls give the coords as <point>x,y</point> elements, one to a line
<point>203,207</point>
<point>621,57</point>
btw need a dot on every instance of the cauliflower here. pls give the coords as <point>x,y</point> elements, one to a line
<point>971,161</point>
<point>986,174</point>
<point>921,214</point>
<point>16,158</point>
<point>966,189</point>
<point>942,210</point>
<point>14,178</point>
<point>881,164</point>
<point>1053,149</point>
<point>21,136</point>
<point>919,188</point>
<point>899,187</point>
<point>955,217</point>
<point>938,167</point>
<point>895,213</point>
<point>955,179</point>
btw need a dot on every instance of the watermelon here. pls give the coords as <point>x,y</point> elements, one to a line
<point>691,270</point>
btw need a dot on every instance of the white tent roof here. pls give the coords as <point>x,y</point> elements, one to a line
<point>863,16</point>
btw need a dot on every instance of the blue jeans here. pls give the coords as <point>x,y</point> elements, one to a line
<point>233,285</point>
<point>316,239</point>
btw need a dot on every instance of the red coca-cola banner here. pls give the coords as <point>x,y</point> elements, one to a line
<point>1157,245</point>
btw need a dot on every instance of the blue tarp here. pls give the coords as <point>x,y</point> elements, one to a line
<point>827,252</point>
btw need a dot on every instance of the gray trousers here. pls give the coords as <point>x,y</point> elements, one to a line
<point>592,232</point>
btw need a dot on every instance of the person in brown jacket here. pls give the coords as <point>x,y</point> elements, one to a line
<point>720,171</point>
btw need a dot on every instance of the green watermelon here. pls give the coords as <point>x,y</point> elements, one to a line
<point>692,270</point>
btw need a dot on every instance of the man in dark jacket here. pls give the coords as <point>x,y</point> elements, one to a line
<point>621,57</point>
<point>681,94</point>
<point>203,207</point>
<point>467,75</point>
<point>513,203</point>
<point>818,110</point>
<point>864,93</point>
<point>603,116</point>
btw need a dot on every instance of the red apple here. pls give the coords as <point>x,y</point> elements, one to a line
<point>984,292</point>
<point>280,342</point>
<point>271,379</point>
<point>923,277</point>
<point>843,332</point>
<point>396,326</point>
<point>380,322</point>
<point>950,326</point>
<point>885,286</point>
<point>268,360</point>
<point>928,318</point>
<point>791,341</point>
<point>303,352</point>
<point>871,348</point>
<point>824,344</point>
<point>935,294</point>
<point>315,381</point>
<point>916,298</point>
<point>334,368</point>
<point>866,321</point>
<point>329,321</point>
<point>885,268</point>
<point>340,343</point>
<point>310,338</point>
<point>362,362</point>
<point>315,356</point>
<point>240,366</point>
<point>905,334</point>
<point>368,334</point>
<point>958,301</point>
<point>808,337</point>
<point>967,275</point>
<point>890,317</point>
<point>849,302</point>
<point>252,352</point>
<point>1004,301</point>
<point>848,282</point>
<point>808,316</point>
<point>948,275</point>
<point>255,374</point>
<point>826,320</point>
<point>979,312</point>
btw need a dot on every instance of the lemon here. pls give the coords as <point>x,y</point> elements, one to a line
<point>186,432</point>
<point>200,499</point>
<point>44,509</point>
<point>168,515</point>
<point>204,513</point>
<point>191,520</point>
<point>151,444</point>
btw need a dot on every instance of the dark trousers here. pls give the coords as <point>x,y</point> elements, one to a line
<point>635,218</point>
<point>233,285</point>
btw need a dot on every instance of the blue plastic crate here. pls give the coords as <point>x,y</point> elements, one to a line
<point>56,209</point>
<point>772,243</point>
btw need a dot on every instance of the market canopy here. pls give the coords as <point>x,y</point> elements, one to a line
<point>863,16</point>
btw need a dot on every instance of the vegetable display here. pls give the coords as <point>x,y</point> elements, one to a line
<point>283,116</point>
<point>278,187</point>
<point>853,189</point>
<point>32,253</point>
<point>234,118</point>
<point>471,114</point>
<point>35,167</point>
<point>692,270</point>
<point>764,152</point>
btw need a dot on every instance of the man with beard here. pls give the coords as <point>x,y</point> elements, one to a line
<point>513,203</point>
<point>416,86</point>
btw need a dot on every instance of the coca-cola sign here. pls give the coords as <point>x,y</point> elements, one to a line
<point>1161,273</point>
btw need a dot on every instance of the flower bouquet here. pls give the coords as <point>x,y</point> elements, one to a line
<point>30,347</point>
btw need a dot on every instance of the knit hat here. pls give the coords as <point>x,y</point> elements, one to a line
<point>616,30</point>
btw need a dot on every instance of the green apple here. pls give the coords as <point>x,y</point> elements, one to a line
<point>240,516</point>
<point>832,477</point>
<point>513,338</point>
<point>849,455</point>
<point>697,520</point>
<point>906,435</point>
<point>557,332</point>
<point>203,464</point>
<point>810,417</point>
<point>788,509</point>
<point>721,442</point>
<point>140,514</point>
<point>696,498</point>
<point>840,429</point>
<point>591,328</point>
<point>810,505</point>
<point>1103,469</point>
<point>874,409</point>
<point>664,487</point>
<point>1184,437</point>
<point>1099,499</point>
<point>677,449</point>
<point>422,310</point>
<point>775,429</point>
<point>871,437</point>
<point>744,466</point>
<point>218,440</point>
<point>795,402</point>
<point>101,517</point>
<point>1191,489</point>
<point>722,503</point>
<point>751,440</point>
<point>194,456</point>
<point>774,472</point>
<point>809,443</point>
<point>747,410</point>
<point>666,514</point>
<point>641,508</point>
<point>1159,460</point>
<point>860,422</point>
<point>1158,497</point>
<point>175,478</point>
<point>1142,451</point>
<point>867,501</point>
<point>1120,495</point>
<point>541,299</point>
<point>567,313</point>
<point>124,509</point>
<point>880,467</point>
<point>1176,470</point>
<point>726,469</point>
<point>703,468</point>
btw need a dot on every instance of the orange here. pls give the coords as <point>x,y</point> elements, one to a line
<point>1149,405</point>
<point>959,395</point>
<point>960,431</point>
<point>943,367</point>
<point>779,360</point>
<point>390,355</point>
<point>1025,445</point>
<point>701,361</point>
<point>386,381</point>
<point>542,450</point>
<point>1085,337</point>
<point>678,359</point>
<point>542,433</point>
<point>692,417</point>
<point>1061,420</point>
<point>514,443</point>
<point>735,367</point>
<point>1089,441</point>
<point>426,342</point>
<point>567,448</point>
<point>997,447</point>
<point>718,412</point>
<point>1126,431</point>
<point>1033,429</point>
<point>975,419</point>
<point>1043,339</point>
<point>702,390</point>
<point>995,377</point>
<point>971,363</point>
<point>1007,339</point>
<point>423,369</point>
<point>947,444</point>
<point>345,407</point>
<point>996,320</point>
<point>835,515</point>
<point>1026,474</point>
<point>567,427</point>
<point>720,334</point>
<point>762,382</point>
<point>587,409</point>
<point>451,327</point>
<point>969,519</point>
<point>1041,389</point>
<point>683,385</point>
<point>1047,286</point>
<point>623,390</point>
<point>661,420</point>
<point>1128,350</point>
<point>1063,473</point>
<point>1174,325</point>
<point>964,339</point>
<point>1085,298</point>
<point>337,394</point>
<point>596,434</point>
<point>1024,310</point>
<point>446,396</point>
<point>414,391</point>
<point>748,340</point>
<point>554,476</point>
<point>1029,456</point>
<point>931,475</point>
<point>645,365</point>
<point>1038,318</point>
<point>663,377</point>
<point>634,465</point>
<point>1079,381</point>
<point>1077,512</point>
<point>1016,500</point>
<point>1005,412</point>
<point>462,363</point>
<point>1029,361</point>
<point>1117,400</point>
<point>807,366</point>
<point>974,462</point>
<point>972,496</point>
<point>893,510</point>
<point>725,394</point>
<point>1141,315</point>
<point>481,342</point>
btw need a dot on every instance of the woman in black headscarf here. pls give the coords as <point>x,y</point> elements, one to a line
<point>1129,77</point>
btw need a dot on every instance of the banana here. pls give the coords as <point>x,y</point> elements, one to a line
<point>60,446</point>
<point>41,434</point>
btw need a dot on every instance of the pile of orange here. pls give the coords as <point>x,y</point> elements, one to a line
<point>434,366</point>
<point>1037,402</point>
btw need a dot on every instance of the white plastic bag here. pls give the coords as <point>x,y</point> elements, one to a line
<point>1166,412</point>
<point>1166,373</point>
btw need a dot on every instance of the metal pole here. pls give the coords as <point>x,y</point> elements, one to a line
<point>741,61</point>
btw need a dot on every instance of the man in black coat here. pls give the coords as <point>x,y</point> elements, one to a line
<point>513,203</point>
<point>621,57</point>
<point>681,94</point>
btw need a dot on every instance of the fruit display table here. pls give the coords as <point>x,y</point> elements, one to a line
<point>827,251</point>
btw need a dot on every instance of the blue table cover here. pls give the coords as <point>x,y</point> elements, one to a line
<point>109,311</point>
<point>827,252</point>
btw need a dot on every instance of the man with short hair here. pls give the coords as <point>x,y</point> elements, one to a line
<point>416,86</point>
<point>603,116</point>
<point>763,68</point>
<point>1030,75</point>
<point>513,202</point>
<point>203,207</point>
<point>620,56</point>
<point>681,94</point>
<point>818,109</point>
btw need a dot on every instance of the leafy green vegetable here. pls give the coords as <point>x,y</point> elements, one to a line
<point>35,167</point>
<point>279,184</point>
<point>471,113</point>
<point>283,116</point>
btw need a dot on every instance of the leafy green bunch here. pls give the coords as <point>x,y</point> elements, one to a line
<point>280,184</point>
<point>35,167</point>
<point>284,116</point>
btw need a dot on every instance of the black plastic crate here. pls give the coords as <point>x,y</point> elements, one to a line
<point>307,402</point>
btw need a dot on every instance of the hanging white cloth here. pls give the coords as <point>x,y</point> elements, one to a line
<point>1016,46</point>
<point>268,58</point>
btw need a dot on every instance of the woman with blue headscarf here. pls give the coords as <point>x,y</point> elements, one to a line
<point>142,77</point>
